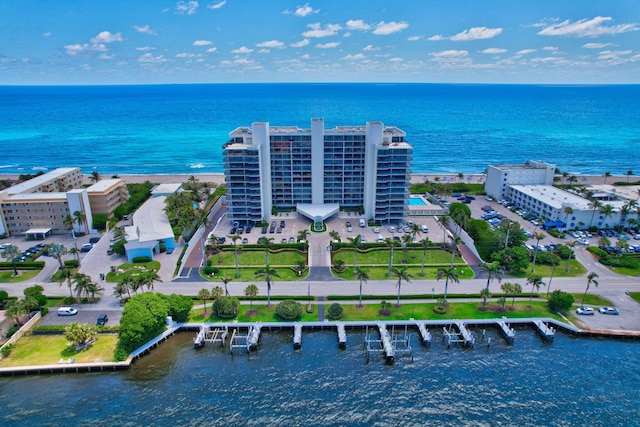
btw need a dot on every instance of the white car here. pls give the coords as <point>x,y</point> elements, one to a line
<point>585,311</point>
<point>424,228</point>
<point>582,241</point>
<point>380,239</point>
<point>376,229</point>
<point>392,229</point>
<point>67,311</point>
<point>609,310</point>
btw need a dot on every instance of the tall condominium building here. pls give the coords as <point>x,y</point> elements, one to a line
<point>317,171</point>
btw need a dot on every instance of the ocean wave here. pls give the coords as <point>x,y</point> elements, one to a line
<point>197,166</point>
<point>9,166</point>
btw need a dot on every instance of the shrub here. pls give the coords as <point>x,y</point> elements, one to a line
<point>440,309</point>
<point>289,310</point>
<point>69,300</point>
<point>141,259</point>
<point>335,311</point>
<point>100,221</point>
<point>44,311</point>
<point>12,331</point>
<point>6,350</point>
<point>71,263</point>
<point>179,306</point>
<point>559,300</point>
<point>226,307</point>
<point>143,318</point>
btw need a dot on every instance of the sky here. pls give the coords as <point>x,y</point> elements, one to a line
<point>77,42</point>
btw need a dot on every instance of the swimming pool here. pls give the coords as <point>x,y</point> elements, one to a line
<point>417,201</point>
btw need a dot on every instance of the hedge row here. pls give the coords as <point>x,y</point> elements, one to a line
<point>25,265</point>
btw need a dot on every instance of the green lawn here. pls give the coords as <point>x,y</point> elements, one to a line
<point>248,274</point>
<point>625,271</point>
<point>380,273</point>
<point>8,277</point>
<point>49,349</point>
<point>257,258</point>
<point>130,269</point>
<point>575,269</point>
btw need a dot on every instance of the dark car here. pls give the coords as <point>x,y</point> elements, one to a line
<point>282,224</point>
<point>248,230</point>
<point>221,240</point>
<point>233,230</point>
<point>102,319</point>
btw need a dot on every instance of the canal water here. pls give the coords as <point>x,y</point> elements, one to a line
<point>570,381</point>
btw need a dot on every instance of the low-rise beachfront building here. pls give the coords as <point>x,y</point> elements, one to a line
<point>106,195</point>
<point>317,171</point>
<point>150,229</point>
<point>501,177</point>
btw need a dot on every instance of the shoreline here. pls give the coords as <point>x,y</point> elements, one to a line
<point>218,178</point>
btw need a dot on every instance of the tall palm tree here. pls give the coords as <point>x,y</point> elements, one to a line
<point>125,285</point>
<point>484,294</point>
<point>443,220</point>
<point>554,260</point>
<point>94,177</point>
<point>607,211</point>
<point>406,241</point>
<point>267,242</point>
<point>251,291</point>
<point>57,251</point>
<point>455,241</point>
<point>81,219</point>
<point>415,231</point>
<point>507,288</point>
<point>150,280</point>
<point>571,245</point>
<point>606,175</point>
<point>390,244</point>
<point>425,245</point>
<point>355,243</point>
<point>629,173</point>
<point>362,275</point>
<point>16,309</point>
<point>65,275</point>
<point>225,279</point>
<point>303,235</point>
<point>493,270</point>
<point>591,279</point>
<point>9,253</point>
<point>565,174</point>
<point>594,204</point>
<point>235,239</point>
<point>94,289</point>
<point>204,295</point>
<point>267,274</point>
<point>538,236</point>
<point>447,274</point>
<point>216,292</point>
<point>535,281</point>
<point>82,282</point>
<point>401,274</point>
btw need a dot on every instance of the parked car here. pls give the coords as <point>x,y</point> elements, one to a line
<point>86,247</point>
<point>292,240</point>
<point>245,241</point>
<point>424,228</point>
<point>376,229</point>
<point>221,240</point>
<point>102,319</point>
<point>609,310</point>
<point>67,311</point>
<point>585,311</point>
<point>392,229</point>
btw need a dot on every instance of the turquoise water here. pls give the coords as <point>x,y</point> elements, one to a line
<point>454,128</point>
<point>573,381</point>
<point>417,201</point>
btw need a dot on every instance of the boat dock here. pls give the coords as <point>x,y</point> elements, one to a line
<point>461,335</point>
<point>507,331</point>
<point>297,336</point>
<point>547,332</point>
<point>424,333</point>
<point>211,335</point>
<point>342,336</point>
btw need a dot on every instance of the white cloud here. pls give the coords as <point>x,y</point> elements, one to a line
<point>525,51</point>
<point>143,48</point>
<point>211,49</point>
<point>106,56</point>
<point>186,55</point>
<point>450,54</point>
<point>396,59</point>
<point>107,37</point>
<point>202,43</point>
<point>587,28</point>
<point>386,28</point>
<point>494,50</point>
<point>437,38</point>
<point>357,24</point>
<point>273,44</point>
<point>217,5</point>
<point>552,49</point>
<point>242,49</point>
<point>149,58</point>
<point>47,34</point>
<point>305,56</point>
<point>476,33</point>
<point>264,50</point>
<point>301,43</point>
<point>75,49</point>
<point>318,31</point>
<point>370,48</point>
<point>595,45</point>
<point>145,29</point>
<point>304,10</point>
<point>330,45</point>
<point>613,54</point>
<point>414,38</point>
<point>187,7</point>
<point>356,57</point>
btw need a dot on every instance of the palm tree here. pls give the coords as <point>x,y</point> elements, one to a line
<point>94,177</point>
<point>216,292</point>
<point>406,240</point>
<point>390,244</point>
<point>81,219</point>
<point>493,270</point>
<point>591,279</point>
<point>94,289</point>
<point>16,309</point>
<point>535,281</point>
<point>607,212</point>
<point>150,279</point>
<point>507,288</point>
<point>401,274</point>
<point>571,244</point>
<point>82,282</point>
<point>267,242</point>
<point>235,239</point>
<point>606,175</point>
<point>538,237</point>
<point>554,260</point>
<point>629,173</point>
<point>9,253</point>
<point>66,275</point>
<point>594,204</point>
<point>447,274</point>
<point>57,251</point>
<point>125,285</point>
<point>484,294</point>
<point>213,241</point>
<point>455,240</point>
<point>251,291</point>
<point>425,244</point>
<point>568,210</point>
<point>415,230</point>
<point>517,289</point>
<point>355,242</point>
<point>334,235</point>
<point>362,275</point>
<point>224,279</point>
<point>303,235</point>
<point>267,274</point>
<point>460,176</point>
<point>204,295</point>
<point>443,220</point>
<point>565,174</point>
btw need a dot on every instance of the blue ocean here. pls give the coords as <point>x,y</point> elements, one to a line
<point>152,129</point>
